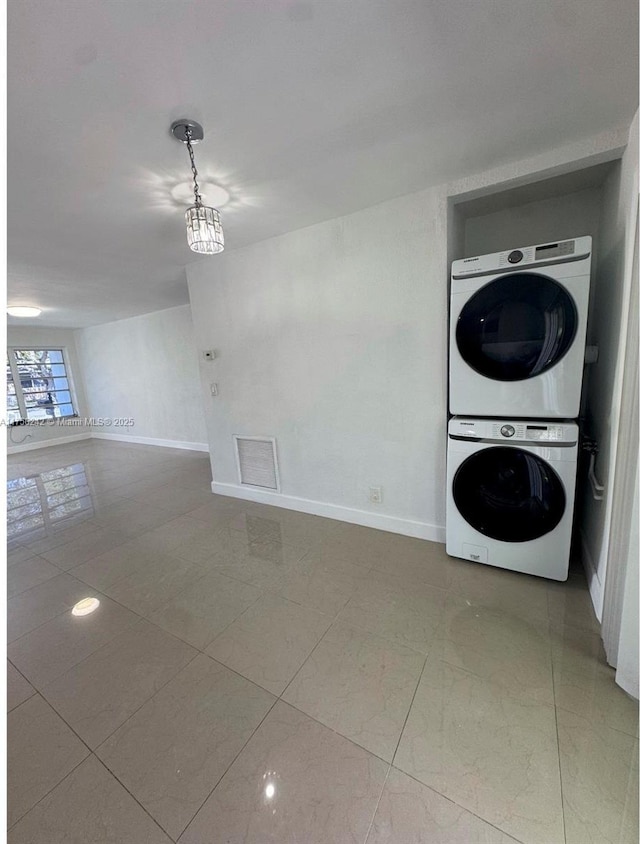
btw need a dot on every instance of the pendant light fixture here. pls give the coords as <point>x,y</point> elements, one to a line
<point>204,231</point>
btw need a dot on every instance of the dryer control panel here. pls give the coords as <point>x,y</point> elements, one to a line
<point>513,430</point>
<point>523,256</point>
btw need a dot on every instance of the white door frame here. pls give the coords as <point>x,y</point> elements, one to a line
<point>623,496</point>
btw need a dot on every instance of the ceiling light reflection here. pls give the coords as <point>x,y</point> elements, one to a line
<point>270,790</point>
<point>167,190</point>
<point>86,606</point>
<point>214,195</point>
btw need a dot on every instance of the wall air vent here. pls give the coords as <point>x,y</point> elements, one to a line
<point>257,462</point>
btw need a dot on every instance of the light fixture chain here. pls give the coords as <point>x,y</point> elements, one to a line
<point>196,188</point>
<point>204,230</point>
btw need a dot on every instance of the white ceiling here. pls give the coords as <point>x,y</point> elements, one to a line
<point>310,110</point>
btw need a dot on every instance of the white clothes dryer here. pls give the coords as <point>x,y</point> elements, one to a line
<point>518,324</point>
<point>510,493</point>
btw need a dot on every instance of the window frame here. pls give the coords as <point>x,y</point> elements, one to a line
<point>15,374</point>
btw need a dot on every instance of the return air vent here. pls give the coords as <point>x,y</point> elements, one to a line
<point>257,463</point>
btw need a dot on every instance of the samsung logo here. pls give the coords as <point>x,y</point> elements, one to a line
<point>468,260</point>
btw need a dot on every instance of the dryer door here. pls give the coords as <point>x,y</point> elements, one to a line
<point>509,494</point>
<point>516,327</point>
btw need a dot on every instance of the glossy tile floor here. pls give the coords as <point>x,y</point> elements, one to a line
<point>252,674</point>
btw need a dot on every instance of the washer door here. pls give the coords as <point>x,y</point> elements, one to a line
<point>509,494</point>
<point>516,327</point>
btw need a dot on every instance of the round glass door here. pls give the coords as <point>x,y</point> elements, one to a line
<point>509,494</point>
<point>516,327</point>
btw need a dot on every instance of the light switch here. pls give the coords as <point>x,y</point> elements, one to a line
<point>214,389</point>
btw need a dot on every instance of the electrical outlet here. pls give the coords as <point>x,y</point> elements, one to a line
<point>375,494</point>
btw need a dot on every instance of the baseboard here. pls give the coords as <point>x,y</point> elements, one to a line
<point>596,589</point>
<point>392,524</point>
<point>14,449</point>
<point>127,438</point>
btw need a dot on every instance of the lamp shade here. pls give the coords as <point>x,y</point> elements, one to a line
<point>204,231</point>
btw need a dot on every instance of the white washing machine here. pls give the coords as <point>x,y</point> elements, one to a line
<point>518,325</point>
<point>510,493</point>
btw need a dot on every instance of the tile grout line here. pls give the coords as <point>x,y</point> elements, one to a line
<point>84,583</point>
<point>128,718</point>
<point>226,771</point>
<point>413,697</point>
<point>99,527</point>
<point>57,615</point>
<point>335,732</point>
<point>555,718</point>
<point>140,618</point>
<point>375,811</point>
<point>66,610</point>
<point>311,652</point>
<point>555,711</point>
<point>395,767</point>
<point>80,739</point>
<point>457,805</point>
<point>110,773</point>
<point>53,788</point>
<point>133,797</point>
<point>35,691</point>
<point>336,619</point>
<point>136,570</point>
<point>93,752</point>
<point>489,681</point>
<point>104,764</point>
<point>277,698</point>
<point>375,635</point>
<point>203,649</point>
<point>605,726</point>
<point>33,586</point>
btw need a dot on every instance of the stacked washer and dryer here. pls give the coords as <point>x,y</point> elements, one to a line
<point>517,339</point>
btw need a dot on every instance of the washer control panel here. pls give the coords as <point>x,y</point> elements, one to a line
<point>547,433</point>
<point>507,430</point>
<point>503,430</point>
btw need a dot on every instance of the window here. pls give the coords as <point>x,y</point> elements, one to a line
<point>37,385</point>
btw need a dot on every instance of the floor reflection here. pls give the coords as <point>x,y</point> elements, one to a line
<point>264,539</point>
<point>263,530</point>
<point>41,504</point>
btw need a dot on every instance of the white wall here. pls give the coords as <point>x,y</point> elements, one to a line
<point>607,329</point>
<point>145,368</point>
<point>26,437</point>
<point>544,221</point>
<point>332,339</point>
<point>627,674</point>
